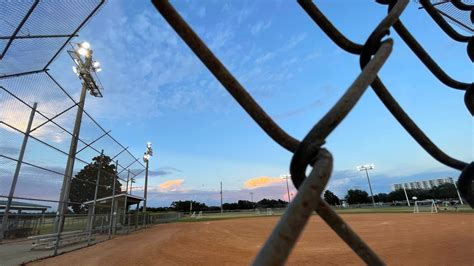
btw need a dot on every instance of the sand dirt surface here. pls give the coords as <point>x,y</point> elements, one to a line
<point>400,239</point>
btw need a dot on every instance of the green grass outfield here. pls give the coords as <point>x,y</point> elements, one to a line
<point>402,209</point>
<point>250,214</point>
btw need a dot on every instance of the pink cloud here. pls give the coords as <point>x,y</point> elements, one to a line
<point>171,185</point>
<point>262,181</point>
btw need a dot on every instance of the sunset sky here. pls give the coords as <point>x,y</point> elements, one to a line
<point>157,90</point>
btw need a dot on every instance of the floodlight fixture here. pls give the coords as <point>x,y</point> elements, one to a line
<point>414,198</point>
<point>146,157</point>
<point>148,152</point>
<point>83,51</point>
<point>85,45</point>
<point>85,67</point>
<point>365,167</point>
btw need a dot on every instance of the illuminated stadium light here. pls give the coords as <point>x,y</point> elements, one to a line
<point>86,67</point>
<point>85,45</point>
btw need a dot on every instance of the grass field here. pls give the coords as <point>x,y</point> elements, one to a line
<point>399,238</point>
<point>278,212</point>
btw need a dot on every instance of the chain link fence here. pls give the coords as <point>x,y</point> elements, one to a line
<point>310,152</point>
<point>36,130</point>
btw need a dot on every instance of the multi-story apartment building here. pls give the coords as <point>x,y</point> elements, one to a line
<point>423,184</point>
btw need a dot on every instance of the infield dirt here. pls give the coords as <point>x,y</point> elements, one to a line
<point>400,239</point>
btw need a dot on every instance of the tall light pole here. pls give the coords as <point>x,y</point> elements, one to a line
<point>366,168</point>
<point>146,158</point>
<point>406,195</point>
<point>222,206</point>
<point>251,196</point>
<point>287,186</point>
<point>457,190</point>
<point>86,69</point>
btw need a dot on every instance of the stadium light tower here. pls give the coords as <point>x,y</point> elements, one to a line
<point>366,168</point>
<point>86,69</point>
<point>146,158</point>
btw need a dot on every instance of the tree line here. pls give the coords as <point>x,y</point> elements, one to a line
<point>357,196</point>
<point>191,205</point>
<point>83,188</point>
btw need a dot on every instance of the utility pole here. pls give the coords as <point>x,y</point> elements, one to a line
<point>222,206</point>
<point>251,196</point>
<point>17,173</point>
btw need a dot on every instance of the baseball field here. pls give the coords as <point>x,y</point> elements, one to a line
<point>400,239</point>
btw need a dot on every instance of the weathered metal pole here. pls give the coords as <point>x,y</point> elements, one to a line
<point>222,206</point>
<point>64,197</point>
<point>406,195</point>
<point>92,222</point>
<point>17,172</point>
<point>146,189</point>
<point>126,198</point>
<point>112,207</point>
<point>370,186</point>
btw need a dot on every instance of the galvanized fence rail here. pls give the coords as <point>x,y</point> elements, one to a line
<point>310,152</point>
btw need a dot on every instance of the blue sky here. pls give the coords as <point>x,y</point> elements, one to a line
<point>157,90</point>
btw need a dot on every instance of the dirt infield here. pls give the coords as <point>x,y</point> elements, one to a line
<point>400,239</point>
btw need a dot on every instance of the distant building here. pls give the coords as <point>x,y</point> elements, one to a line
<point>423,184</point>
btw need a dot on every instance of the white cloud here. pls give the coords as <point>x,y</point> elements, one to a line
<point>264,58</point>
<point>294,41</point>
<point>259,27</point>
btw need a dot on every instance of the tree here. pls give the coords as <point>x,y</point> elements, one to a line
<point>83,184</point>
<point>357,196</point>
<point>331,198</point>
<point>271,203</point>
<point>381,197</point>
<point>444,191</point>
<point>245,205</point>
<point>398,195</point>
<point>185,206</point>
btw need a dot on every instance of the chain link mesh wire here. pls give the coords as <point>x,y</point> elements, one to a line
<point>310,152</point>
<point>457,12</point>
<point>32,32</point>
<point>48,142</point>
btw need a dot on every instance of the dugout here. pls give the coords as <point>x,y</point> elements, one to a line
<point>26,220</point>
<point>121,202</point>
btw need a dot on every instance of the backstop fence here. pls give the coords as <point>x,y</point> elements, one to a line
<point>310,152</point>
<point>36,129</point>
